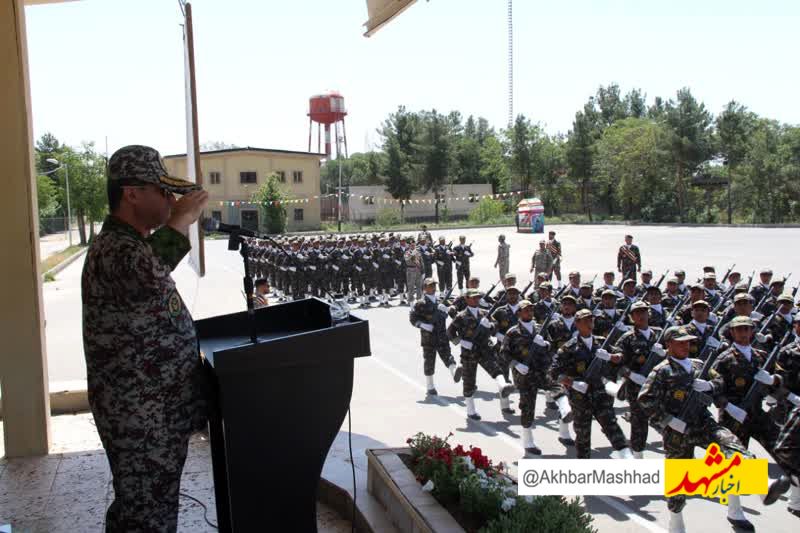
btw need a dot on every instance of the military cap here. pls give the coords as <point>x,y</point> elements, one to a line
<point>700,303</point>
<point>677,333</point>
<point>542,276</point>
<point>409,239</point>
<point>542,241</point>
<point>391,234</point>
<point>501,237</point>
<point>462,237</point>
<point>583,313</point>
<point>609,292</point>
<point>587,285</point>
<point>709,269</point>
<point>741,287</point>
<point>672,280</point>
<point>574,274</point>
<point>512,288</point>
<point>776,282</point>
<point>742,297</point>
<point>568,298</point>
<point>471,293</point>
<point>429,281</point>
<point>629,236</point>
<point>546,285</point>
<point>473,278</point>
<point>510,276</point>
<point>785,298</point>
<point>524,304</point>
<point>628,282</point>
<point>741,321</point>
<point>647,272</point>
<point>609,272</point>
<point>551,232</point>
<point>679,272</point>
<point>709,275</point>
<point>696,287</point>
<point>136,164</point>
<point>639,306</point>
<point>441,238</point>
<point>766,271</point>
<point>653,288</point>
<point>424,226</point>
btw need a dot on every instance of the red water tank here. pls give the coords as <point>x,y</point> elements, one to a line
<point>327,109</point>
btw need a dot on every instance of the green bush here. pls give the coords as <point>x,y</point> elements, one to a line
<point>544,514</point>
<point>387,217</point>
<point>487,209</point>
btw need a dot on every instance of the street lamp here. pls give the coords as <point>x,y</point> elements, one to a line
<point>69,211</point>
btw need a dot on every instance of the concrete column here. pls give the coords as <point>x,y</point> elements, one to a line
<point>23,361</point>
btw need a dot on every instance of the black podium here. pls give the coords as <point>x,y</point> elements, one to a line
<point>275,409</point>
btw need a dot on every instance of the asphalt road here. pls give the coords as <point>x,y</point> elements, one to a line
<point>389,402</point>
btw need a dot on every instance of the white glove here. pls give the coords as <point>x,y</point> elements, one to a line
<point>335,267</point>
<point>293,269</point>
<point>440,263</point>
<point>794,398</point>
<point>499,336</point>
<point>398,262</point>
<point>522,368</point>
<point>386,256</point>
<point>483,303</point>
<point>359,268</point>
<point>312,267</point>
<point>458,263</point>
<point>485,322</point>
<point>556,316</point>
<point>598,312</point>
<point>637,378</point>
<point>737,413</point>
<point>374,264</point>
<point>466,345</point>
<point>538,340</point>
<point>702,385</point>
<point>677,424</point>
<point>443,308</point>
<point>346,256</point>
<point>762,376</point>
<point>755,315</point>
<point>622,327</point>
<point>658,348</point>
<point>580,386</point>
<point>603,355</point>
<point>760,337</point>
<point>427,327</point>
<point>712,318</point>
<point>713,342</point>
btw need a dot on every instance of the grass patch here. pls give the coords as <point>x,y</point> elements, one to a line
<point>57,258</point>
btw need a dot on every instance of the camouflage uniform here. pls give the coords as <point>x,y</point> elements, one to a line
<point>541,262</point>
<point>661,398</point>
<point>518,347</point>
<point>788,367</point>
<point>504,317</point>
<point>466,327</point>
<point>503,250</point>
<point>425,311</point>
<point>413,262</point>
<point>143,369</point>
<point>573,360</point>
<point>635,349</point>
<point>787,445</point>
<point>462,253</point>
<point>629,259</point>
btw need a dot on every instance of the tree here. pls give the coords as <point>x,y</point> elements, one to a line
<point>47,197</point>
<point>271,205</point>
<point>580,153</point>
<point>522,140</point>
<point>436,163</point>
<point>690,123</point>
<point>734,126</point>
<point>87,186</point>
<point>397,183</point>
<point>493,167</point>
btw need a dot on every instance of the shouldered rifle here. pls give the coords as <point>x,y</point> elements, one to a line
<point>661,279</point>
<point>543,331</point>
<point>769,293</point>
<point>697,401</point>
<point>794,291</point>
<point>561,291</point>
<point>750,280</point>
<point>481,329</point>
<point>712,342</point>
<point>488,293</point>
<point>597,365</point>
<point>624,277</point>
<point>655,356</point>
<point>447,296</point>
<point>678,305</point>
<point>728,273</point>
<point>757,389</point>
<point>525,291</point>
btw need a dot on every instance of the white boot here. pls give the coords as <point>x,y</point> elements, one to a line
<point>564,435</point>
<point>429,383</point>
<point>527,442</point>
<point>736,515</point>
<point>503,388</point>
<point>638,455</point>
<point>471,412</point>
<point>505,406</point>
<point>676,524</point>
<point>564,409</point>
<point>794,498</point>
<point>625,453</point>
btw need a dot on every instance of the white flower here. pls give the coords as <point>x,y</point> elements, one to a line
<point>528,499</point>
<point>482,474</point>
<point>427,487</point>
<point>511,490</point>
<point>468,462</point>
<point>508,503</point>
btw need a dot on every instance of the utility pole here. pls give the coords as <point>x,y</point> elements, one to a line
<point>510,65</point>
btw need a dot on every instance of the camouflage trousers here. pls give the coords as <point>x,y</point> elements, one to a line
<point>146,483</point>
<point>527,386</point>
<point>414,283</point>
<point>597,404</point>
<point>503,266</point>
<point>639,425</point>
<point>445,275</point>
<point>469,364</point>
<point>429,356</point>
<point>757,425</point>
<point>556,271</point>
<point>787,445</point>
<point>681,446</point>
<point>462,274</point>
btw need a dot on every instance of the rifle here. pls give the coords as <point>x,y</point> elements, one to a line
<point>488,293</point>
<point>479,331</point>
<point>750,280</point>
<point>525,291</point>
<point>769,293</point>
<point>757,389</point>
<point>671,318</point>
<point>561,291</point>
<point>794,291</point>
<point>661,279</point>
<point>447,296</point>
<point>712,342</point>
<point>697,402</point>
<point>597,365</point>
<point>624,277</point>
<point>728,273</point>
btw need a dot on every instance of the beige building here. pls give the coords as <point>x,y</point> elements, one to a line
<point>459,200</point>
<point>232,176</point>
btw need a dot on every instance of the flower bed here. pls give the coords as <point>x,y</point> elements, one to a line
<point>481,497</point>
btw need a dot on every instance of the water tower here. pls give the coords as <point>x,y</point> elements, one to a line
<point>327,109</point>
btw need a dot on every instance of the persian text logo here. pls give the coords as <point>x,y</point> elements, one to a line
<point>715,476</point>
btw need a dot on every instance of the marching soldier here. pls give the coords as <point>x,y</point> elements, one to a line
<point>775,291</point>
<point>426,249</point>
<point>788,367</point>
<point>462,254</point>
<point>504,318</point>
<point>425,235</point>
<point>658,314</point>
<point>527,352</point>
<point>541,262</point>
<point>545,303</point>
<point>787,455</point>
<point>460,303</point>
<point>503,252</point>
<point>554,247</point>
<point>635,347</point>
<point>510,280</point>
<point>628,294</point>
<point>574,287</point>
<point>471,329</point>
<point>584,298</point>
<point>683,287</point>
<point>629,258</point>
<point>702,329</point>
<point>608,285</point>
<point>647,278</point>
<point>712,295</point>
<point>606,314</point>
<point>444,265</point>
<point>672,295</point>
<point>758,291</point>
<point>588,398</point>
<point>662,398</point>
<point>429,316</point>
<point>696,294</point>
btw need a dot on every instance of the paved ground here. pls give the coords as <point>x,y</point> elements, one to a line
<point>389,402</point>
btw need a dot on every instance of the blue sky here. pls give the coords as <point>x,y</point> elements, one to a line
<point>114,68</point>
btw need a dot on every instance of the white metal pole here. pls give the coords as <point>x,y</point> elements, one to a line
<point>339,160</point>
<point>69,211</point>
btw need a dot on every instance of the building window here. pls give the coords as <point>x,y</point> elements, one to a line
<point>247,177</point>
<point>298,215</point>
<point>216,215</point>
<point>214,178</point>
<point>369,200</point>
<point>281,176</point>
<point>473,197</point>
<point>297,176</point>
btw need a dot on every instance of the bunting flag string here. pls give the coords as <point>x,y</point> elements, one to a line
<point>373,199</point>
